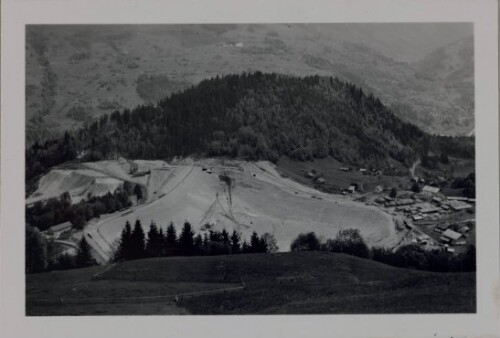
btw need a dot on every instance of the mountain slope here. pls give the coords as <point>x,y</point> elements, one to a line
<point>453,66</point>
<point>255,116</point>
<point>78,73</point>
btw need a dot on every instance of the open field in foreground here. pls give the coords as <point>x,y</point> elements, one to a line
<point>307,282</point>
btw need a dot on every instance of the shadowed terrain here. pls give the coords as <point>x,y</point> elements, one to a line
<point>307,282</point>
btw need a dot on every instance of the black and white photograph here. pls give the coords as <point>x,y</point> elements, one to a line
<point>251,168</point>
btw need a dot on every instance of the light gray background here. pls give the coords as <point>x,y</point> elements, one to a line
<point>17,13</point>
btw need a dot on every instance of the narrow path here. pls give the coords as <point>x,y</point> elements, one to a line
<point>176,297</point>
<point>67,243</point>
<point>94,229</point>
<point>412,169</point>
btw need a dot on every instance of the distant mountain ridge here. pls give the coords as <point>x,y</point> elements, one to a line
<point>453,66</point>
<point>76,74</point>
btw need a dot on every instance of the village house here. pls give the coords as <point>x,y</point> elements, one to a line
<point>443,226</point>
<point>430,190</point>
<point>459,205</point>
<point>321,180</point>
<point>58,229</point>
<point>417,217</point>
<point>457,198</point>
<point>309,174</point>
<point>429,209</point>
<point>450,236</point>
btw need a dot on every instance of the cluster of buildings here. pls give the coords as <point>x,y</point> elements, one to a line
<point>451,237</point>
<point>428,204</point>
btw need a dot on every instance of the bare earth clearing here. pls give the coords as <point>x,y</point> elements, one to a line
<point>259,199</point>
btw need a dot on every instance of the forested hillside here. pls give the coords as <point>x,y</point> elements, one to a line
<point>255,116</point>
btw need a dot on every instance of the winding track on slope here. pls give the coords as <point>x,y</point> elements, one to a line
<point>95,228</point>
<point>264,174</point>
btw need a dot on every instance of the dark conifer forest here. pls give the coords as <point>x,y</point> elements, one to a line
<point>254,116</point>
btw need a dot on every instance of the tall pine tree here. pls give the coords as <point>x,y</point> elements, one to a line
<point>154,242</point>
<point>124,251</point>
<point>83,256</point>
<point>171,245</point>
<point>235,243</point>
<point>186,240</point>
<point>36,250</point>
<point>137,241</point>
<point>255,243</point>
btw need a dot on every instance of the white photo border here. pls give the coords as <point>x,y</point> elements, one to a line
<point>18,13</point>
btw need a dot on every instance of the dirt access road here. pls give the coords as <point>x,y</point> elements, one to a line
<point>260,200</point>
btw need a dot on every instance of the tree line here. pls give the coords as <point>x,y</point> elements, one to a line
<point>135,244</point>
<point>43,215</point>
<point>254,116</point>
<point>350,242</point>
<point>467,184</point>
<point>43,255</point>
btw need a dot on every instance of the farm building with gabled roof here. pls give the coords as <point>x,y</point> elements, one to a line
<point>57,229</point>
<point>452,235</point>
<point>459,205</point>
<point>443,226</point>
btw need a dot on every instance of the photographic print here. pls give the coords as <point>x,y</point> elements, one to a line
<point>186,169</point>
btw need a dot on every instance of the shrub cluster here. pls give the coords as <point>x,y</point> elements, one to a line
<point>412,256</point>
<point>43,255</point>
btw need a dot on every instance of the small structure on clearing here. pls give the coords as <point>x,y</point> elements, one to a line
<point>309,174</point>
<point>351,189</point>
<point>321,180</point>
<point>134,167</point>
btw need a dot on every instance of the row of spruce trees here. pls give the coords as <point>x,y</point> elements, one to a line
<point>135,244</point>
